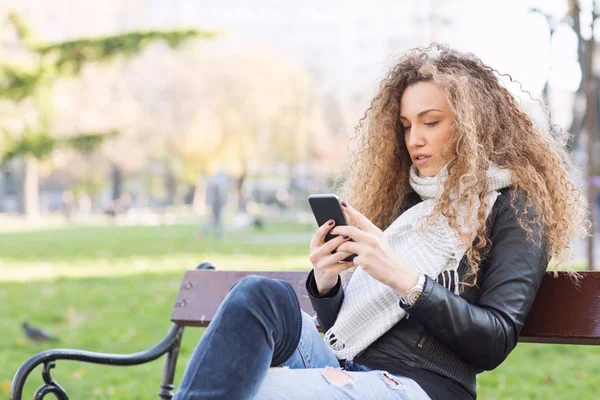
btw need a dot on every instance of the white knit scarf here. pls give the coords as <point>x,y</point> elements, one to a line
<point>370,308</point>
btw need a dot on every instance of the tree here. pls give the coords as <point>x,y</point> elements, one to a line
<point>585,119</point>
<point>31,85</point>
<point>258,109</point>
<point>588,119</point>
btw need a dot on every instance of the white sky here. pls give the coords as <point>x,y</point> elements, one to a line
<point>516,41</point>
<point>504,33</point>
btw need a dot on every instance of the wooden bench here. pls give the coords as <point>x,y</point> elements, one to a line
<point>562,313</point>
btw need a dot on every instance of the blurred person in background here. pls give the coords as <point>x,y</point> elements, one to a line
<point>119,206</point>
<point>463,201</point>
<point>217,189</point>
<point>68,204</point>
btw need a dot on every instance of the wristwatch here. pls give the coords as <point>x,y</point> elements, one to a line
<point>413,294</point>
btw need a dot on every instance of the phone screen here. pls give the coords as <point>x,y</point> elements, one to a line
<point>326,207</point>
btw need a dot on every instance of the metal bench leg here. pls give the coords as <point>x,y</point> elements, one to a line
<point>168,345</point>
<point>166,386</point>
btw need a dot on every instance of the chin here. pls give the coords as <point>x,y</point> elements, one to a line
<point>425,173</point>
<point>428,172</point>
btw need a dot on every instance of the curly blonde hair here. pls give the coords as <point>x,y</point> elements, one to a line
<point>489,127</point>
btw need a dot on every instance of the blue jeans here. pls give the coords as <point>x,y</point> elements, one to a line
<point>260,325</point>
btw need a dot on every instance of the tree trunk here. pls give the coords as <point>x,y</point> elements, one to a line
<point>171,187</point>
<point>2,189</point>
<point>117,182</point>
<point>545,96</point>
<point>199,201</point>
<point>291,177</point>
<point>578,113</point>
<point>31,189</point>
<point>591,129</point>
<point>239,187</point>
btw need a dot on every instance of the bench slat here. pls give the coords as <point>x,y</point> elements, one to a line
<point>561,313</point>
<point>564,313</point>
<point>202,291</point>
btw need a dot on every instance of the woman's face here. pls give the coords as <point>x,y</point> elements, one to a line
<point>427,121</point>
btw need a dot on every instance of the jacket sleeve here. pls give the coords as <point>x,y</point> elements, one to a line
<point>328,305</point>
<point>484,333</point>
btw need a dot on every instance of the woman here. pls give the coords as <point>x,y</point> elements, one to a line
<point>473,200</point>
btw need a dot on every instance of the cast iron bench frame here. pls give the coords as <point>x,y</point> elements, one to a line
<point>563,313</point>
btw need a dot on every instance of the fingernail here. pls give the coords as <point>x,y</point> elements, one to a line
<point>346,237</point>
<point>331,222</point>
<point>344,204</point>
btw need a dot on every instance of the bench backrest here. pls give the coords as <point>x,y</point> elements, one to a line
<point>562,312</point>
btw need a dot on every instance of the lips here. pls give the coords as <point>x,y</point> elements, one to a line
<point>421,159</point>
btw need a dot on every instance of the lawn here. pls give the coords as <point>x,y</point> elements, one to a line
<point>111,289</point>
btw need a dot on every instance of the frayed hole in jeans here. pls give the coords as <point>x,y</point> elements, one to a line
<point>390,380</point>
<point>337,377</point>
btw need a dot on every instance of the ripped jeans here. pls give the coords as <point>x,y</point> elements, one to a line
<point>260,325</point>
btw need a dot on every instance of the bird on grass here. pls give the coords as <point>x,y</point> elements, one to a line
<point>37,334</point>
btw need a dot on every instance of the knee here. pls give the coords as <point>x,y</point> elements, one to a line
<point>253,283</point>
<point>255,288</point>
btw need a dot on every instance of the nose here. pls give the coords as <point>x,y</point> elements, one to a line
<point>414,139</point>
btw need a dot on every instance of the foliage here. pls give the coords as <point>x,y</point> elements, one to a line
<point>86,143</point>
<point>41,144</point>
<point>51,62</point>
<point>266,112</point>
<point>38,145</point>
<point>66,59</point>
<point>23,29</point>
<point>17,83</point>
<point>69,57</point>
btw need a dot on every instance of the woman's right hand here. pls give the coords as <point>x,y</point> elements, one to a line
<point>327,266</point>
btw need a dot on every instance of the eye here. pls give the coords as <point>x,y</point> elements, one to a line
<point>434,123</point>
<point>406,128</point>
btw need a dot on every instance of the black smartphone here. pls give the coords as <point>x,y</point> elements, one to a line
<point>326,207</point>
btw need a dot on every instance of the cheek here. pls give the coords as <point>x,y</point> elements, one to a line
<point>441,138</point>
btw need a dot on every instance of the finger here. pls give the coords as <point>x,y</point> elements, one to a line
<point>363,222</point>
<point>319,237</point>
<point>332,245</point>
<point>327,248</point>
<point>355,233</point>
<point>322,252</point>
<point>350,248</point>
<point>342,266</point>
<point>335,262</point>
<point>335,258</point>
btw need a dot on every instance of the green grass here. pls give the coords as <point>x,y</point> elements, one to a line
<point>112,290</point>
<point>98,243</point>
<point>123,315</point>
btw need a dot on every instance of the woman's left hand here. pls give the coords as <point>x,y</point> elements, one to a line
<point>374,253</point>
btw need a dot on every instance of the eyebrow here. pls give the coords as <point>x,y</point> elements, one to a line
<point>423,113</point>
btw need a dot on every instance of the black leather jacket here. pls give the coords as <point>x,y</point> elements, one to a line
<point>457,337</point>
